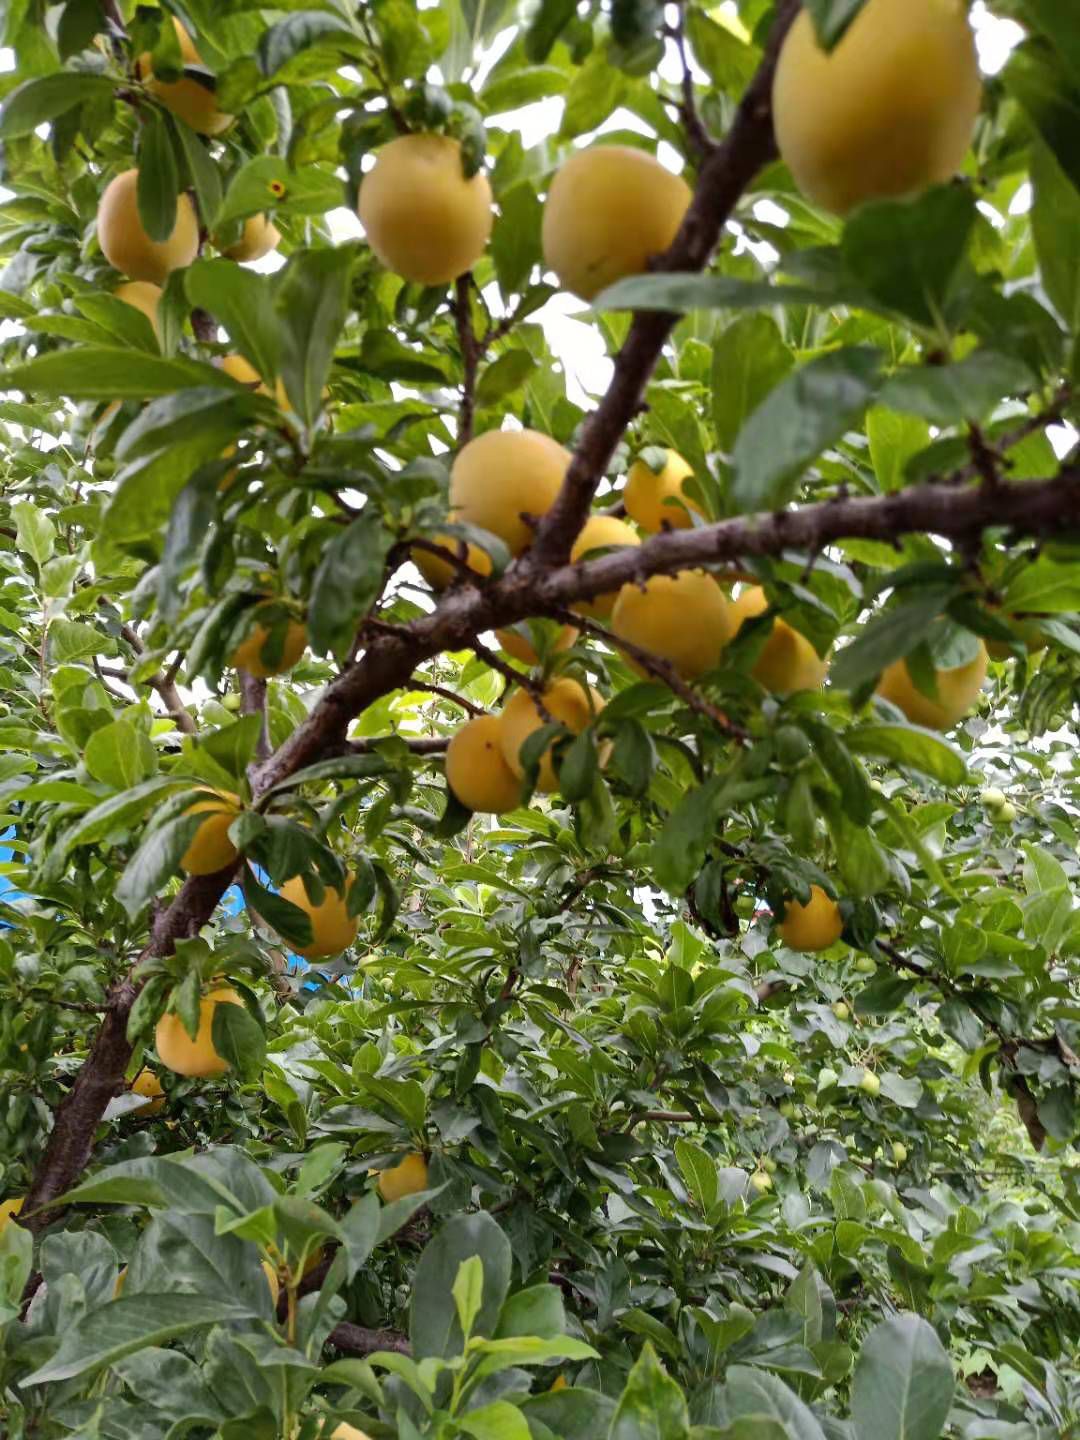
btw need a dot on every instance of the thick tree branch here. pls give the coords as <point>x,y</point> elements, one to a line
<point>102,1075</point>
<point>253,702</point>
<point>732,165</point>
<point>357,1340</point>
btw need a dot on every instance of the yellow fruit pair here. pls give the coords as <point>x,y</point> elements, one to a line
<point>483,760</point>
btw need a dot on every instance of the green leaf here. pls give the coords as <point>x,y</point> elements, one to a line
<point>894,439</point>
<point>698,1169</point>
<point>267,180</point>
<point>468,1292</point>
<point>347,582</point>
<point>813,408</point>
<point>907,252</point>
<point>1036,77</point>
<point>497,1421</point>
<point>548,23</point>
<point>749,359</point>
<point>1055,221</point>
<point>241,299</point>
<point>916,749</point>
<point>505,375</point>
<point>167,420</point>
<point>120,756</point>
<point>950,394</point>
<point>728,61</point>
<point>239,1038</point>
<point>434,1328</point>
<point>120,811</point>
<point>831,19</point>
<point>903,1385</point>
<point>755,1392</point>
<point>651,1406</point>
<point>296,33</point>
<point>890,636</point>
<point>312,303</point>
<point>71,640</point>
<point>515,243</point>
<point>88,372</point>
<point>159,178</point>
<point>156,859</point>
<point>35,534</point>
<point>37,101</point>
<point>205,176</point>
<point>1043,586</point>
<point>128,1324</point>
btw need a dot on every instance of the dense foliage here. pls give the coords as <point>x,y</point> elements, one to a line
<point>669,1169</point>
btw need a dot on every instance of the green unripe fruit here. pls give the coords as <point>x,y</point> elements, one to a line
<point>992,797</point>
<point>761,1181</point>
<point>1006,815</point>
<point>865,965</point>
<point>768,1164</point>
<point>899,1152</point>
<point>870,1083</point>
<point>231,701</point>
<point>841,1011</point>
<point>787,1109</point>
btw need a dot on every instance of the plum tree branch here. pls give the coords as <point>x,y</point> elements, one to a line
<point>728,170</point>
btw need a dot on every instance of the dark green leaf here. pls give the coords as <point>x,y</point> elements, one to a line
<point>312,303</point>
<point>44,99</point>
<point>749,359</point>
<point>813,408</point>
<point>433,1324</point>
<point>159,178</point>
<point>348,579</point>
<point>241,300</point>
<point>903,1386</point>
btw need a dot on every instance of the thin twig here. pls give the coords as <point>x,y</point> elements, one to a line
<point>700,141</point>
<point>449,695</point>
<point>163,685</point>
<point>661,670</point>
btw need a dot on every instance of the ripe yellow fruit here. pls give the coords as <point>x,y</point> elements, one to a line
<point>422,217</point>
<point>147,1083</point>
<point>609,210</point>
<point>957,691</point>
<point>813,926</point>
<point>566,701</point>
<point>439,573</point>
<point>211,849</point>
<point>248,655</point>
<point>333,929</point>
<point>599,533</point>
<point>787,661</point>
<point>646,495</point>
<point>126,245</point>
<point>408,1178</point>
<point>476,769</point>
<point>259,236</point>
<point>196,1058</point>
<point>8,1208</point>
<point>349,1432</point>
<point>503,475</point>
<point>142,296</point>
<point>272,1281</point>
<point>684,618</point>
<point>889,112</point>
<point>192,102</point>
<point>522,648</point>
<point>242,370</point>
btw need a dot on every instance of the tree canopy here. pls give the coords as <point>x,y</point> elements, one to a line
<point>532,914</point>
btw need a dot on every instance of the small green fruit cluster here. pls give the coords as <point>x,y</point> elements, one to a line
<point>998,806</point>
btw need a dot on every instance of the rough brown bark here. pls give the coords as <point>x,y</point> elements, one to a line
<point>730,167</point>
